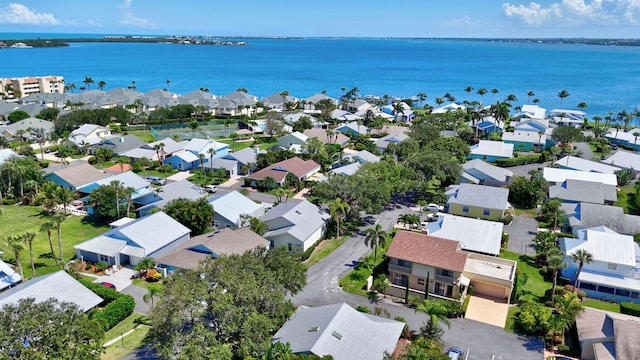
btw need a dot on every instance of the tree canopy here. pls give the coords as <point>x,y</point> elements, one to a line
<point>196,215</point>
<point>228,305</point>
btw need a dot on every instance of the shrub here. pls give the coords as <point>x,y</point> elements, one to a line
<point>154,277</point>
<point>88,266</point>
<point>107,294</point>
<point>507,219</point>
<point>363,309</point>
<point>505,240</point>
<point>562,281</point>
<point>630,308</point>
<point>44,164</point>
<point>101,265</point>
<point>581,294</point>
<point>519,160</point>
<point>471,290</point>
<point>117,310</point>
<point>9,201</point>
<point>413,300</point>
<point>93,160</point>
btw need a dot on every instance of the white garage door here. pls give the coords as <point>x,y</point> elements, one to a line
<point>488,290</point>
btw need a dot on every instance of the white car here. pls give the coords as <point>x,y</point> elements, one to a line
<point>433,217</point>
<point>211,188</point>
<point>433,207</point>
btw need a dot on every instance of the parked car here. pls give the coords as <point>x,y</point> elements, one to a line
<point>433,207</point>
<point>156,180</point>
<point>455,353</point>
<point>108,284</point>
<point>433,216</point>
<point>211,188</point>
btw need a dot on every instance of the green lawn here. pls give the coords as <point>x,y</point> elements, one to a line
<point>146,284</point>
<point>17,220</point>
<point>613,307</point>
<point>626,200</point>
<point>355,281</point>
<point>536,285</point>
<point>511,319</point>
<point>131,341</point>
<point>323,250</point>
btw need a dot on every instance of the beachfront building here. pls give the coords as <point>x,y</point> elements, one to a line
<point>19,87</point>
<point>490,151</point>
<point>566,117</point>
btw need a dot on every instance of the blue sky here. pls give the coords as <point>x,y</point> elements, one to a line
<point>373,18</point>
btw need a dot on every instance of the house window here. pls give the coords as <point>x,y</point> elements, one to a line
<point>486,212</point>
<point>179,165</point>
<point>216,224</point>
<point>104,258</point>
<point>271,243</point>
<point>440,289</point>
<point>399,279</point>
<point>446,273</point>
<point>587,286</point>
<point>290,247</point>
<point>634,295</point>
<point>404,263</point>
<point>606,289</point>
<point>465,209</point>
<point>611,266</point>
<point>623,292</point>
<point>420,281</point>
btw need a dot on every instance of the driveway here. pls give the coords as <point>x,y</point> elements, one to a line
<point>138,294</point>
<point>487,311</point>
<point>521,232</point>
<point>585,149</point>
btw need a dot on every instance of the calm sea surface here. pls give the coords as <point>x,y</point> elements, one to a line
<point>607,78</point>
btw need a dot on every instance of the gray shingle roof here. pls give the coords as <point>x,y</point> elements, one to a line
<point>485,171</point>
<point>303,218</point>
<point>244,156</point>
<point>340,331</point>
<point>486,197</point>
<point>583,191</point>
<point>232,204</point>
<point>586,215</point>
<point>59,285</point>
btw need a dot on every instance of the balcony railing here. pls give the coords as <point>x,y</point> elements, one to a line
<point>399,269</point>
<point>445,279</point>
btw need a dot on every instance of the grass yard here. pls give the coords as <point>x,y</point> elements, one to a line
<point>323,250</point>
<point>145,136</point>
<point>535,287</point>
<point>17,220</point>
<point>626,197</point>
<point>356,280</point>
<point>596,304</point>
<point>131,341</point>
<point>511,319</point>
<point>146,284</point>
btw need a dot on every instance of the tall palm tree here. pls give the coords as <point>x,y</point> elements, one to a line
<point>128,192</point>
<point>376,236</point>
<point>421,97</point>
<point>398,108</point>
<point>193,126</point>
<point>338,209</point>
<point>58,219</point>
<point>159,148</point>
<point>118,188</point>
<point>64,196</point>
<point>439,101</point>
<point>28,238</point>
<point>201,158</point>
<point>102,84</point>
<point>468,89</point>
<point>529,95</point>
<point>481,92</point>
<point>568,307</point>
<point>581,256</point>
<point>16,244</point>
<point>563,94</point>
<point>152,292</point>
<point>88,81</point>
<point>555,262</point>
<point>494,91</point>
<point>48,227</point>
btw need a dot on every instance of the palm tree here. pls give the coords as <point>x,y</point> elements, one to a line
<point>16,244</point>
<point>158,148</point>
<point>439,101</point>
<point>28,238</point>
<point>145,264</point>
<point>398,108</point>
<point>58,219</point>
<point>567,308</point>
<point>468,89</point>
<point>144,163</point>
<point>436,311</point>
<point>494,91</point>
<point>421,97</point>
<point>529,95</point>
<point>194,126</point>
<point>581,256</point>
<point>128,192</point>
<point>70,87</point>
<point>563,94</point>
<point>64,196</point>
<point>511,98</point>
<point>48,227</point>
<point>152,292</point>
<point>540,134</point>
<point>338,209</point>
<point>582,105</point>
<point>555,151</point>
<point>555,262</point>
<point>635,134</point>
<point>168,82</point>
<point>481,92</point>
<point>201,158</point>
<point>375,237</point>
<point>88,81</point>
<point>102,84</point>
<point>118,188</point>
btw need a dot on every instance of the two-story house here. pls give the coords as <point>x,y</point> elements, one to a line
<point>613,272</point>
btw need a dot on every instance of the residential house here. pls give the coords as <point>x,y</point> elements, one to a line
<point>607,335</point>
<point>628,139</point>
<point>309,103</point>
<point>151,236</point>
<point>211,245</point>
<point>228,209</point>
<point>613,273</point>
<point>575,163</point>
<point>129,179</point>
<point>529,112</point>
<point>474,235</point>
<point>420,262</point>
<point>301,169</point>
<point>58,285</point>
<point>325,137</point>
<point>346,170</point>
<point>353,129</point>
<point>229,166</point>
<point>294,138</point>
<point>343,116</point>
<point>447,108</point>
<point>527,140</point>
<point>190,157</point>
<point>158,199</point>
<point>362,156</point>
<point>359,105</point>
<point>295,224</point>
<point>76,177</point>
<point>295,117</point>
<point>490,151</point>
<point>89,134</point>
<point>477,201</point>
<point>489,125</point>
<point>393,138</point>
<point>479,172</point>
<point>406,115</point>
<point>578,191</point>
<point>167,147</point>
<point>120,144</point>
<point>245,158</point>
<point>22,129</point>
<point>566,117</point>
<point>277,101</point>
<point>8,276</point>
<point>339,331</point>
<point>587,215</point>
<point>625,160</point>
<point>559,176</point>
<point>6,154</point>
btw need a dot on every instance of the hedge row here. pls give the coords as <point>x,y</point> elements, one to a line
<point>108,295</point>
<point>630,308</point>
<point>518,160</point>
<point>116,311</point>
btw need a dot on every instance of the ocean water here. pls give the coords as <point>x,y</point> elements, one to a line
<point>607,78</point>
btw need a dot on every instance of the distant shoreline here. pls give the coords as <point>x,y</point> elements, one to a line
<point>241,40</point>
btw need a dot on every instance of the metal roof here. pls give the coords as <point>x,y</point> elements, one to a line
<point>231,205</point>
<point>473,234</point>
<point>103,245</point>
<point>492,148</point>
<point>576,163</point>
<point>553,175</point>
<point>59,285</point>
<point>486,197</point>
<point>624,159</point>
<point>152,232</point>
<point>604,245</point>
<point>477,168</point>
<point>340,331</point>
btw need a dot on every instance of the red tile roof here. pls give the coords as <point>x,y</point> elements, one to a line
<point>427,250</point>
<point>279,170</point>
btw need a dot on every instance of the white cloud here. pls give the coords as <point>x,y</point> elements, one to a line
<point>129,18</point>
<point>19,14</point>
<point>465,20</point>
<point>576,11</point>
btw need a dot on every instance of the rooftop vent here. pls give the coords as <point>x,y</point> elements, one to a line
<point>314,329</point>
<point>336,335</point>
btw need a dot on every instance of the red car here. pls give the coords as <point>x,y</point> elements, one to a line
<point>108,284</point>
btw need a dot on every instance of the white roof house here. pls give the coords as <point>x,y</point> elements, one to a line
<point>480,172</point>
<point>624,160</point>
<point>340,331</point>
<point>59,285</point>
<point>553,176</point>
<point>576,163</point>
<point>8,276</point>
<point>604,244</point>
<point>6,154</point>
<point>295,224</point>
<point>475,235</point>
<point>228,208</point>
<point>530,112</point>
<point>492,149</point>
